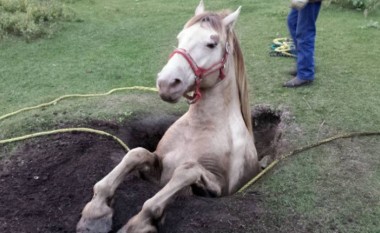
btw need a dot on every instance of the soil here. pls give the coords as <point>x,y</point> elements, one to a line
<point>46,182</point>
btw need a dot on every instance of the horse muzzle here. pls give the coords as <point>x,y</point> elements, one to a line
<point>170,89</point>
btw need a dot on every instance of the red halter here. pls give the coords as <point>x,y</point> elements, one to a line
<point>200,72</point>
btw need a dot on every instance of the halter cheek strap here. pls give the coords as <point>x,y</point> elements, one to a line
<point>200,72</point>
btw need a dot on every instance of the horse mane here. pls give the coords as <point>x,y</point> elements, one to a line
<point>241,79</point>
<point>215,21</point>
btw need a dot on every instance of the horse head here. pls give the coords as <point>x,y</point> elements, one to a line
<point>199,60</point>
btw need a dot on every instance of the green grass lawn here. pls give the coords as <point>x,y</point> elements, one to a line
<point>334,188</point>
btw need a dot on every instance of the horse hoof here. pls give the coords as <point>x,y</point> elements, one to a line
<point>138,225</point>
<point>145,230</point>
<point>98,225</point>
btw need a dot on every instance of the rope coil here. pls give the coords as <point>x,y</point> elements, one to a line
<point>282,47</point>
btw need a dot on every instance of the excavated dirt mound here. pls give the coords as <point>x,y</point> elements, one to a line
<point>47,181</point>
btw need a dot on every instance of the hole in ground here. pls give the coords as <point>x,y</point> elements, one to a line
<point>45,184</point>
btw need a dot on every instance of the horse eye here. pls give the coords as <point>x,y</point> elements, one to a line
<point>211,45</point>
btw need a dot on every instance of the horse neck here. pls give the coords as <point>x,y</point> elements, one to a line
<point>219,102</point>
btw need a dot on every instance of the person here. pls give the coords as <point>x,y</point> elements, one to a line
<point>302,27</point>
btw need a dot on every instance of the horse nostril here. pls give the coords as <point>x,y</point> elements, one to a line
<point>176,82</point>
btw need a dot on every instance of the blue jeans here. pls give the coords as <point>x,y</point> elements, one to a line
<point>302,28</point>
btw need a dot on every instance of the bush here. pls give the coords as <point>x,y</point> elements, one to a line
<point>32,18</point>
<point>364,5</point>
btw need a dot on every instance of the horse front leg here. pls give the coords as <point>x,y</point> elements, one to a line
<point>97,214</point>
<point>190,173</point>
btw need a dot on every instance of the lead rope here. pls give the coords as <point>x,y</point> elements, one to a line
<point>88,130</point>
<point>55,101</point>
<point>302,149</point>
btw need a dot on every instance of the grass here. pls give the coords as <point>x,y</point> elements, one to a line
<point>334,188</point>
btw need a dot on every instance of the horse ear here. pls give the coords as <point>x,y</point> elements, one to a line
<point>229,20</point>
<point>200,8</point>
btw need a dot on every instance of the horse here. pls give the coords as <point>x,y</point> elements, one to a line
<point>210,149</point>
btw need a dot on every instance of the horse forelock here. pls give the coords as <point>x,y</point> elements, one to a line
<point>211,18</point>
<point>215,21</point>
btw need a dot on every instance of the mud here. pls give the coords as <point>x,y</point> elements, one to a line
<point>46,182</point>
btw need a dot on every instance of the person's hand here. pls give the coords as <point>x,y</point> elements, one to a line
<point>298,4</point>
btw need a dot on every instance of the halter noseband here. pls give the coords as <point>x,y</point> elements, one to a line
<point>200,72</point>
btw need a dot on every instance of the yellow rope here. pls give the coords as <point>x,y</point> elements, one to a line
<point>280,41</point>
<point>247,185</point>
<point>301,149</point>
<point>66,130</point>
<point>89,130</point>
<point>283,46</point>
<point>284,50</point>
<point>55,101</point>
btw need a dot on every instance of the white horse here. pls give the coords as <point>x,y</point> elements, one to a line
<point>211,147</point>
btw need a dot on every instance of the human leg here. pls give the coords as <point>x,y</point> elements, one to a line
<point>305,40</point>
<point>292,27</point>
<point>292,23</point>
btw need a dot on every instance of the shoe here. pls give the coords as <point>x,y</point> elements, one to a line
<point>297,82</point>
<point>293,72</point>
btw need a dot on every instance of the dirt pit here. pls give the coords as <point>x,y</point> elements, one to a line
<point>45,183</point>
